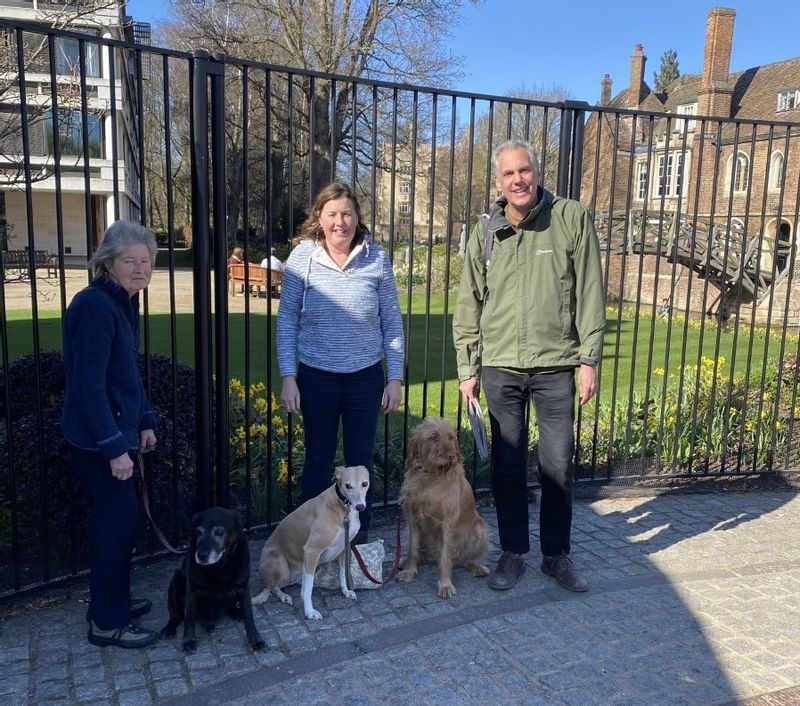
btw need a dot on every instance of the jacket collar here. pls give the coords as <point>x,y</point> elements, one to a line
<point>497,216</point>
<point>117,293</point>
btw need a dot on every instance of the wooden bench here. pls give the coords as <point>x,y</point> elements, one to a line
<point>17,264</point>
<point>256,276</point>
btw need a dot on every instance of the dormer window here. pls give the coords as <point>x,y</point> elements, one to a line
<point>686,109</point>
<point>788,100</point>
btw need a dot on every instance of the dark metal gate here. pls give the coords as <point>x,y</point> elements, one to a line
<point>699,373</point>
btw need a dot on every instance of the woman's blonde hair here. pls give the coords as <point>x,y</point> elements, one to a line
<point>312,230</point>
<point>119,236</point>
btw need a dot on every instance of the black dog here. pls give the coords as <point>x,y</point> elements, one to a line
<point>214,577</point>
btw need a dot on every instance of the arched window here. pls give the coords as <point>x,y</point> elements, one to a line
<point>740,172</point>
<point>775,171</point>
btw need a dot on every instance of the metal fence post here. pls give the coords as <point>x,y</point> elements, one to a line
<point>216,70</point>
<point>578,109</point>
<point>201,273</point>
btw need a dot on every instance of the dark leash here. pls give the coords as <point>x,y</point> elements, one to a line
<point>359,558</point>
<point>146,502</point>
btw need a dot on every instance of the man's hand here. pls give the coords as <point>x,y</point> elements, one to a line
<point>290,394</point>
<point>391,396</point>
<point>122,467</point>
<point>470,389</point>
<point>587,382</point>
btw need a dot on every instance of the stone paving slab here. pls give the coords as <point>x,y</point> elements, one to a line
<point>694,600</point>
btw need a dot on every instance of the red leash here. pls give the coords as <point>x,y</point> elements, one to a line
<point>395,565</point>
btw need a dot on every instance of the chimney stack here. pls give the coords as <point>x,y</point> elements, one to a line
<point>715,93</point>
<point>605,90</point>
<point>636,90</point>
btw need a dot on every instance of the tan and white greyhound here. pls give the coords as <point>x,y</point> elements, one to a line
<point>311,535</point>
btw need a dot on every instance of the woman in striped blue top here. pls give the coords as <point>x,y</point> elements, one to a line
<point>339,318</point>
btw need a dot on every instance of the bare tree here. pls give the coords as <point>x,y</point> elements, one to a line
<point>373,39</point>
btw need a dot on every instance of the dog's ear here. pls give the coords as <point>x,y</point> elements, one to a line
<point>337,473</point>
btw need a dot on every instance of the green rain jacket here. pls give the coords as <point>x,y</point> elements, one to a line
<point>544,305</point>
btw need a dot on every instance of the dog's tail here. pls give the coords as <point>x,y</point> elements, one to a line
<point>261,597</point>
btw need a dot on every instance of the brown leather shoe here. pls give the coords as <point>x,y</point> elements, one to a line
<point>563,570</point>
<point>507,572</point>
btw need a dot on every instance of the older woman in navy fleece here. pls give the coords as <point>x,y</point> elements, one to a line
<point>106,419</point>
<point>339,319</point>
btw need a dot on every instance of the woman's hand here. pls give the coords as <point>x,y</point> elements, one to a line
<point>391,396</point>
<point>122,467</point>
<point>147,440</point>
<point>290,394</point>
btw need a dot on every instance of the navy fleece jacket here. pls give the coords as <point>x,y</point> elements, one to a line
<point>105,406</point>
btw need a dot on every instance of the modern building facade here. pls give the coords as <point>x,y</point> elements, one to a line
<point>95,97</point>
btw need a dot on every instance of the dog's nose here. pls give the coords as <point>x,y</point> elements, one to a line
<point>360,506</point>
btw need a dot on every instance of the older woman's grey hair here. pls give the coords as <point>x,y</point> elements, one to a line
<point>119,236</point>
<point>515,145</point>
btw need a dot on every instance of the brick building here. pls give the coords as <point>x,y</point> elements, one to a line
<point>683,156</point>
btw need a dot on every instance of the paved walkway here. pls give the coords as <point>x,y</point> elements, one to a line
<point>695,600</point>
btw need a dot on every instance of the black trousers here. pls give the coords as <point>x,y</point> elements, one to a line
<point>507,395</point>
<point>325,399</point>
<point>113,514</point>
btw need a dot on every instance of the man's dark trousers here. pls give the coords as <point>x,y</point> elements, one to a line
<point>508,393</point>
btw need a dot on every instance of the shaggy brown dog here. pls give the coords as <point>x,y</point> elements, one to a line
<point>437,500</point>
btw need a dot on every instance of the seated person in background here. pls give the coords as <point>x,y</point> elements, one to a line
<point>236,258</point>
<point>272,262</point>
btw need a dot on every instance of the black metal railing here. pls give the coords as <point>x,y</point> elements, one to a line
<point>696,219</point>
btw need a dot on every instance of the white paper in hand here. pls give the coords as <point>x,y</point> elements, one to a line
<point>478,424</point>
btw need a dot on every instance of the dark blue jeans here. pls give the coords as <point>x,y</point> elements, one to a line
<point>507,395</point>
<point>113,514</point>
<point>326,398</point>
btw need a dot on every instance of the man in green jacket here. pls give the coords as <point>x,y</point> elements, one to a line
<point>530,311</point>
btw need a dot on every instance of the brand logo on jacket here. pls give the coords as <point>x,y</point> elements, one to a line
<point>543,252</point>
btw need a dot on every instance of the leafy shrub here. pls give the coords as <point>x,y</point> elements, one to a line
<point>44,495</point>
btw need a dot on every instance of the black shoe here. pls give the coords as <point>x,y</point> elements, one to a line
<point>362,537</point>
<point>139,607</point>
<point>563,570</point>
<point>128,636</point>
<point>507,572</point>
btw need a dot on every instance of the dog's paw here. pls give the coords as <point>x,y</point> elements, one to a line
<point>347,593</point>
<point>407,575</point>
<point>259,646</point>
<point>446,588</point>
<point>168,631</point>
<point>189,647</point>
<point>313,614</point>
<point>478,570</point>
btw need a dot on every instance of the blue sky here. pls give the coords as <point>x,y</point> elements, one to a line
<point>508,44</point>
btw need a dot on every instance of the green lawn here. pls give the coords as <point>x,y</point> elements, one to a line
<point>627,355</point>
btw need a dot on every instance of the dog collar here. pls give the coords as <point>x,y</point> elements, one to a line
<point>342,496</point>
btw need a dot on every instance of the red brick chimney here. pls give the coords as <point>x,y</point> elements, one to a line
<point>715,93</point>
<point>636,89</point>
<point>605,90</point>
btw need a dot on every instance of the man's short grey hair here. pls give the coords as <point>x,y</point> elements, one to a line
<point>119,236</point>
<point>515,145</point>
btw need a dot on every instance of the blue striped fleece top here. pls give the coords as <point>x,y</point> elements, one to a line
<point>339,319</point>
